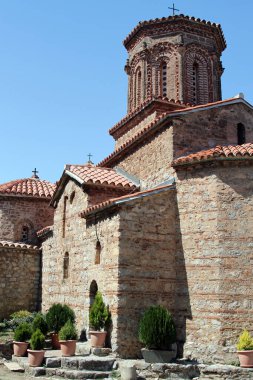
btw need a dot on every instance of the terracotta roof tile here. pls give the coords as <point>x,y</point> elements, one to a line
<point>102,176</point>
<point>11,244</point>
<point>44,231</point>
<point>31,187</point>
<point>219,152</point>
<point>112,201</point>
<point>143,24</point>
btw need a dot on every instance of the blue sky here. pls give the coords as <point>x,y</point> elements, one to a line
<point>62,79</point>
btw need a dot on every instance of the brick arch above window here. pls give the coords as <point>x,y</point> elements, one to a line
<point>198,76</point>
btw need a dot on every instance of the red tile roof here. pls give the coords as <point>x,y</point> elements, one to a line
<point>218,153</point>
<point>44,231</point>
<point>159,122</point>
<point>130,197</point>
<point>173,19</point>
<point>11,244</point>
<point>90,174</point>
<point>31,187</point>
<point>176,104</point>
<point>133,139</point>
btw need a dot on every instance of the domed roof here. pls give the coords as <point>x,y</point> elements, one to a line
<point>30,187</point>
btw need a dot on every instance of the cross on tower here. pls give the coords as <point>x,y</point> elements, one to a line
<point>35,172</point>
<point>174,9</point>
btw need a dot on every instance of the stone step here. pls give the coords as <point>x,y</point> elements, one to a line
<point>77,374</point>
<point>14,367</point>
<point>91,363</point>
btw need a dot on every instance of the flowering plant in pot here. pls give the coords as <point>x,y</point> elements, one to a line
<point>22,334</point>
<point>36,352</point>
<point>100,319</point>
<point>245,349</point>
<point>68,337</point>
<point>158,333</point>
<point>56,318</point>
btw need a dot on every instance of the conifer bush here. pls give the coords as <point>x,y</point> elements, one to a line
<point>100,316</point>
<point>245,342</point>
<point>37,341</point>
<point>58,315</point>
<point>40,323</point>
<point>157,329</point>
<point>23,332</point>
<point>68,331</point>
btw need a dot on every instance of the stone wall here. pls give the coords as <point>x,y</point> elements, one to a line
<point>150,161</point>
<point>147,274</point>
<point>15,212</point>
<point>214,254</point>
<point>205,129</point>
<point>19,280</point>
<point>80,243</point>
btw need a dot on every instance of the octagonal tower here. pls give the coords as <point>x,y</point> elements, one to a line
<point>177,57</point>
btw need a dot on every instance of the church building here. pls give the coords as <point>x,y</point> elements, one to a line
<point>167,217</point>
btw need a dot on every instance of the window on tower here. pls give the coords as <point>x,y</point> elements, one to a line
<point>241,139</point>
<point>195,83</point>
<point>163,74</point>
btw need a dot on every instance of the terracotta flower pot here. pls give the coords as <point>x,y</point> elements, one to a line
<point>35,358</point>
<point>97,338</point>
<point>55,341</point>
<point>20,348</point>
<point>68,347</point>
<point>246,358</point>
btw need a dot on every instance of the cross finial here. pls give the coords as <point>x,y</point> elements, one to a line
<point>35,172</point>
<point>89,158</point>
<point>173,9</point>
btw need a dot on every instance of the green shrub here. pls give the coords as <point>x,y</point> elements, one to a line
<point>68,331</point>
<point>245,341</point>
<point>40,323</point>
<point>23,332</point>
<point>157,329</point>
<point>22,316</point>
<point>37,341</point>
<point>58,315</point>
<point>100,316</point>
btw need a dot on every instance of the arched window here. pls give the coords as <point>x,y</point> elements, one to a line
<point>241,137</point>
<point>98,252</point>
<point>66,266</point>
<point>25,234</point>
<point>64,216</point>
<point>163,80</point>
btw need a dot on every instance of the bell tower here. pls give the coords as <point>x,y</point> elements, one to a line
<point>177,57</point>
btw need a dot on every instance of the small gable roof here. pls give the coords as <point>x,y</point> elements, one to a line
<point>93,175</point>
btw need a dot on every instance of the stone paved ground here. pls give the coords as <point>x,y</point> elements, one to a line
<point>5,374</point>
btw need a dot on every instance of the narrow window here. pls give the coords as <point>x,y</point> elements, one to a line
<point>25,234</point>
<point>98,252</point>
<point>72,196</point>
<point>66,266</point>
<point>163,75</point>
<point>241,134</point>
<point>137,101</point>
<point>64,216</point>
<point>195,83</point>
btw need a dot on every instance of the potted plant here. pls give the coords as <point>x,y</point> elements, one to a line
<point>68,337</point>
<point>158,333</point>
<point>56,318</point>
<point>99,320</point>
<point>36,352</point>
<point>22,335</point>
<point>245,349</point>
